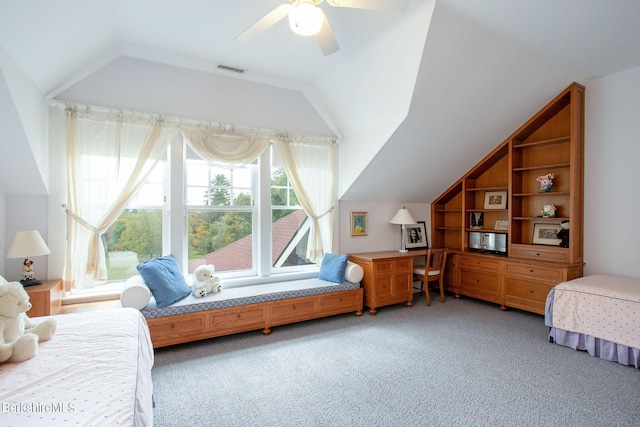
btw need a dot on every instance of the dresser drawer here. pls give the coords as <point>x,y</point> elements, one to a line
<point>540,253</point>
<point>526,294</point>
<point>483,285</point>
<point>534,271</point>
<point>477,263</point>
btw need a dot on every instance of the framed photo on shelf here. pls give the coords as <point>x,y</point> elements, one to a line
<point>359,224</point>
<point>476,220</point>
<point>502,225</point>
<point>416,236</point>
<point>495,200</point>
<point>546,234</point>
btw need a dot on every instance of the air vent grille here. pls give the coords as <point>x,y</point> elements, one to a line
<point>232,69</point>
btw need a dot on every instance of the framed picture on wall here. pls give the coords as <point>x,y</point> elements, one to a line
<point>359,224</point>
<point>546,234</point>
<point>416,236</point>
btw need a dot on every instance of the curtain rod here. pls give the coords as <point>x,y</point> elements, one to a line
<point>187,122</point>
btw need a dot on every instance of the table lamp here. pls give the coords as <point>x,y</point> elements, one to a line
<point>27,244</point>
<point>403,217</point>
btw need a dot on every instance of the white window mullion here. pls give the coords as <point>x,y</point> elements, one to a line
<point>264,215</point>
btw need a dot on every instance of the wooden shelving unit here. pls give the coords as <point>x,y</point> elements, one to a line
<point>550,142</point>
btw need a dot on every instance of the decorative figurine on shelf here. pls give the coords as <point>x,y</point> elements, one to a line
<point>548,211</point>
<point>545,182</point>
<point>563,234</point>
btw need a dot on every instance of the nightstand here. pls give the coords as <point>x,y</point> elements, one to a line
<point>46,298</point>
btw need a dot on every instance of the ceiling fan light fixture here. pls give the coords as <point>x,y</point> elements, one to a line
<point>305,19</point>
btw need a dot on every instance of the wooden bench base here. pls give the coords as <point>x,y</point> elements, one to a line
<point>181,328</point>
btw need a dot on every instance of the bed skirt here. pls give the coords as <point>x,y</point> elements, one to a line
<point>596,347</point>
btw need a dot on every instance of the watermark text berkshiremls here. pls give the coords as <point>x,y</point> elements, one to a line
<point>31,407</point>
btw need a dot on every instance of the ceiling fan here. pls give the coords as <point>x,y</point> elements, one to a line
<point>307,19</point>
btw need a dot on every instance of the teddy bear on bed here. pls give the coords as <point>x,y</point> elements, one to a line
<point>204,281</point>
<point>19,335</point>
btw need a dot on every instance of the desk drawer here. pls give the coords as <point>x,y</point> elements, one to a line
<point>392,266</point>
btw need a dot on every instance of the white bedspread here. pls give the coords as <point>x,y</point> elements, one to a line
<point>96,371</point>
<point>606,307</point>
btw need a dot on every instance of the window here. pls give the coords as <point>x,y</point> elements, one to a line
<point>137,178</point>
<point>220,216</point>
<point>138,234</point>
<point>290,224</point>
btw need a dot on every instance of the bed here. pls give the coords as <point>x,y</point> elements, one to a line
<point>95,371</point>
<point>599,314</point>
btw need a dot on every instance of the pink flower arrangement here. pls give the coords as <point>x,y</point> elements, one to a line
<point>545,181</point>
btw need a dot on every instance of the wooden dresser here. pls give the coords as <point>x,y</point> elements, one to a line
<point>388,277</point>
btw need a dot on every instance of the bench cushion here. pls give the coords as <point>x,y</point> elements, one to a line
<point>245,295</point>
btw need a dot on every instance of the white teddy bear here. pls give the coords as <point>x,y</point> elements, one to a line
<point>204,281</point>
<point>19,335</point>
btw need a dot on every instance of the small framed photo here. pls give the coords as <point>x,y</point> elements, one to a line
<point>495,200</point>
<point>502,225</point>
<point>546,234</point>
<point>476,220</point>
<point>359,224</point>
<point>416,236</point>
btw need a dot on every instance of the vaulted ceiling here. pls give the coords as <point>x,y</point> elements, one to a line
<point>482,69</point>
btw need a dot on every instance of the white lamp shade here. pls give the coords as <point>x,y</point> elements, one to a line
<point>305,19</point>
<point>403,216</point>
<point>27,244</point>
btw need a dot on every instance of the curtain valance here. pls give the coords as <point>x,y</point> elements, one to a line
<point>225,147</point>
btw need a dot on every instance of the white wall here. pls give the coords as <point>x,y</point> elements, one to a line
<point>612,172</point>
<point>381,234</point>
<point>3,231</point>
<point>26,213</point>
<point>23,120</point>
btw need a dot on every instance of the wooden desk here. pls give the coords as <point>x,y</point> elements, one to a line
<point>46,298</point>
<point>388,277</point>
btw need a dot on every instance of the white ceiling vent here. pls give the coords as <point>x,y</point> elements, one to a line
<point>232,69</point>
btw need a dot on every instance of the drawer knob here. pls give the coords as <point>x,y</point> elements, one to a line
<point>173,326</point>
<point>531,271</point>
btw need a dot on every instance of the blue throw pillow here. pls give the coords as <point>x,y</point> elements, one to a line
<point>165,280</point>
<point>333,267</point>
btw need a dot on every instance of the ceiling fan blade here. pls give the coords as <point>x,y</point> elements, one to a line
<point>266,22</point>
<point>326,39</point>
<point>386,5</point>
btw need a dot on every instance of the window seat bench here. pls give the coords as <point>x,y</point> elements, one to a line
<point>248,308</point>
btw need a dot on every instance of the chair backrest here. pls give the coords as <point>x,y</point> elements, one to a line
<point>436,260</point>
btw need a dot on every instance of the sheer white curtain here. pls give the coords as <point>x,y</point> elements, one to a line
<point>310,168</point>
<point>110,155</point>
<point>225,147</point>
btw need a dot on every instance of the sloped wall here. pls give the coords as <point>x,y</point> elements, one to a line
<point>474,88</point>
<point>24,167</point>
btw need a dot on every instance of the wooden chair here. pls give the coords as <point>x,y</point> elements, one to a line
<point>433,270</point>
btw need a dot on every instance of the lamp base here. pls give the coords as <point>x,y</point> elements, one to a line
<point>30,282</point>
<point>403,250</point>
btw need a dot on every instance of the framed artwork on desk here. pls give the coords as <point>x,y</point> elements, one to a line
<point>417,236</point>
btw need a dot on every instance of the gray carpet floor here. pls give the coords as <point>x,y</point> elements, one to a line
<point>461,363</point>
